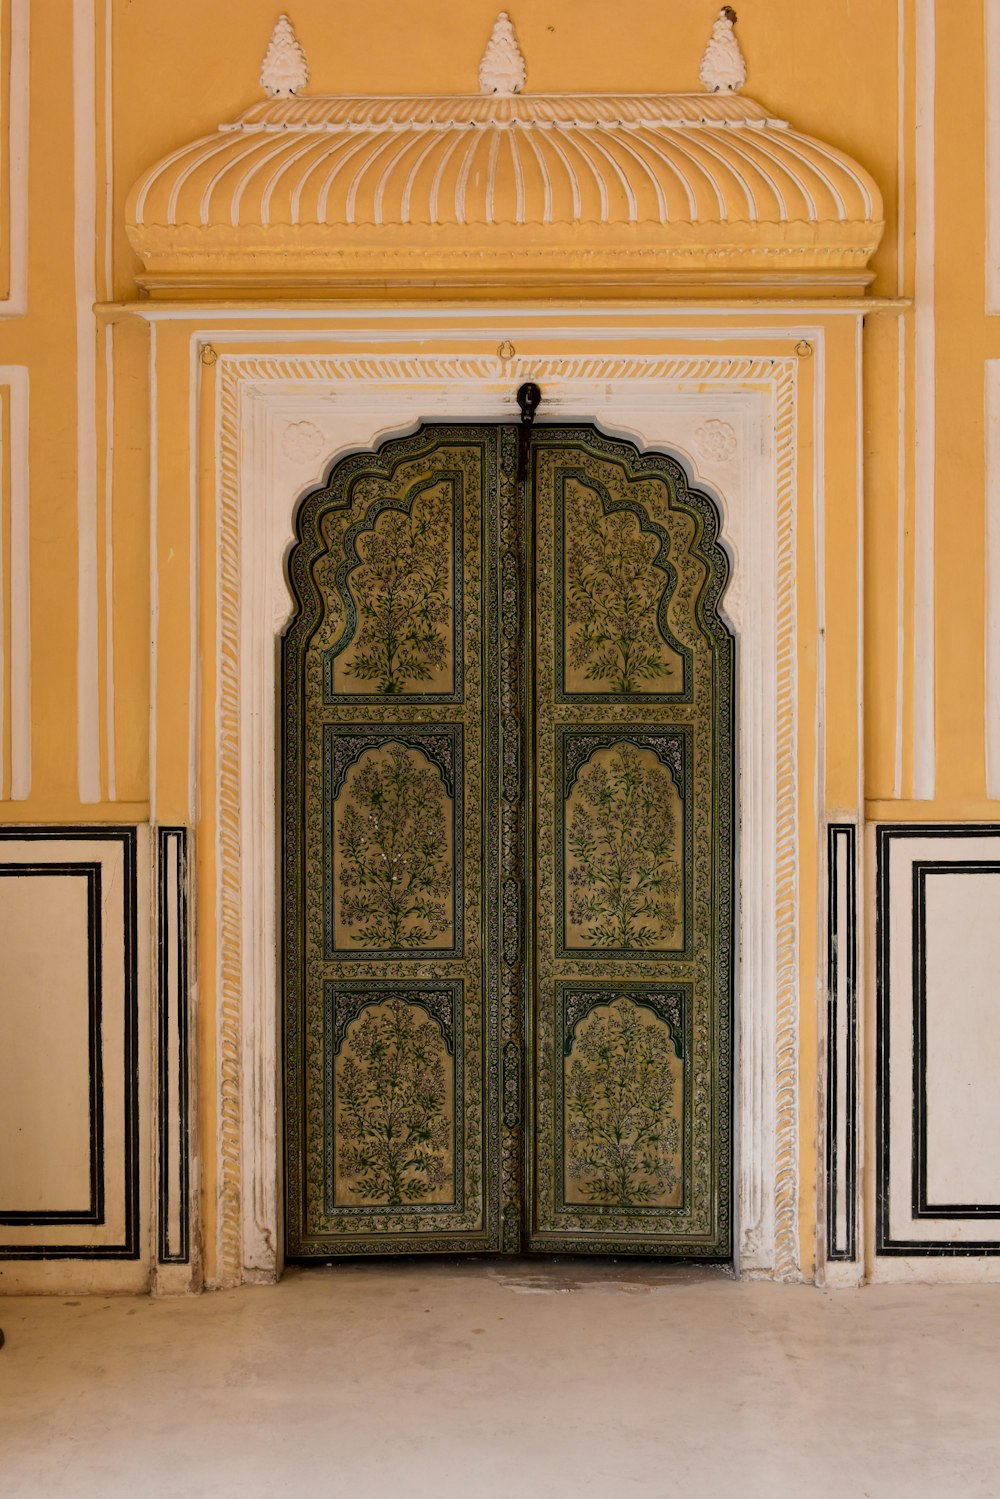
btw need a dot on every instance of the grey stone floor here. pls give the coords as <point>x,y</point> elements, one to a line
<point>495,1380</point>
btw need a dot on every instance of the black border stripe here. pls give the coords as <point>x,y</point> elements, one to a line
<point>920,1206</point>
<point>885,1244</point>
<point>172,937</point>
<point>93,1213</point>
<point>129,1247</point>
<point>842,953</point>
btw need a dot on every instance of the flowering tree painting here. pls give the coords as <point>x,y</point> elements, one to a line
<point>402,586</point>
<point>613,594</point>
<point>395,877</point>
<point>623,865</point>
<point>622,1129</point>
<point>393,1125</point>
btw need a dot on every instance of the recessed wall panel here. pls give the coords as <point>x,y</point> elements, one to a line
<point>73,1066</point>
<point>938,1040</point>
<point>50,1090</point>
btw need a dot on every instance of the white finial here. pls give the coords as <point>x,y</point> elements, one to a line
<point>723,70</point>
<point>284,70</point>
<point>502,69</point>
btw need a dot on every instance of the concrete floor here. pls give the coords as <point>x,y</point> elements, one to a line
<point>504,1381</point>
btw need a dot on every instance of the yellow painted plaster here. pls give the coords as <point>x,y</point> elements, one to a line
<point>832,67</point>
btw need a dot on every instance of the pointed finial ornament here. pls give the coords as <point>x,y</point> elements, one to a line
<point>723,70</point>
<point>284,70</point>
<point>502,69</point>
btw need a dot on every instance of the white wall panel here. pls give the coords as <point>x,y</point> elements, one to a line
<point>74,1067</point>
<point>938,1041</point>
<point>50,1083</point>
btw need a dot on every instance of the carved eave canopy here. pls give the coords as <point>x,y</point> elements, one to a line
<point>639,194</point>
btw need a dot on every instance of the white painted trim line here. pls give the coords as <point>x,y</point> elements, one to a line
<point>195,313</point>
<point>15,377</point>
<point>992,82</point>
<point>109,556</point>
<point>924,749</point>
<point>992,725</point>
<point>901,450</point>
<point>84,229</point>
<point>154,570</point>
<point>15,304</point>
<point>194,575</point>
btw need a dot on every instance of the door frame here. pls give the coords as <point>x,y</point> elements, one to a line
<point>736,420</point>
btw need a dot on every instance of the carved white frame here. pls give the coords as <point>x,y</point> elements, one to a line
<point>282,421</point>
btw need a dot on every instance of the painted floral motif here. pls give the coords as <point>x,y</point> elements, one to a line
<point>395,869</point>
<point>623,868</point>
<point>622,1131</point>
<point>613,594</point>
<point>394,1131</point>
<point>403,589</point>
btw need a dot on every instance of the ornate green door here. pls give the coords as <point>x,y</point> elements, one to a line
<point>507,787</point>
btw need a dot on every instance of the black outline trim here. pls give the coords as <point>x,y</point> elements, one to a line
<point>921,868</point>
<point>166,1254</point>
<point>836,951</point>
<point>884,1243</point>
<point>93,1213</point>
<point>129,1248</point>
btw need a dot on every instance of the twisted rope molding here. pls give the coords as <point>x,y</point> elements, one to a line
<point>235,374</point>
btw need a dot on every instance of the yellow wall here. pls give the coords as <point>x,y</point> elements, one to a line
<point>857,75</point>
<point>177,70</point>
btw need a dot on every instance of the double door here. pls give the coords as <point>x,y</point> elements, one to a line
<point>507,788</point>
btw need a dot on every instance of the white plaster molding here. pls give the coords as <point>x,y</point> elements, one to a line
<point>502,69</point>
<point>715,441</point>
<point>925,413</point>
<point>723,69</point>
<point>358,401</point>
<point>18,642</point>
<point>992,60</point>
<point>992,705</point>
<point>15,167</point>
<point>84,218</point>
<point>284,70</point>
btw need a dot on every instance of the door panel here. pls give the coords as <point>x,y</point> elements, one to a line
<point>507,783</point>
<point>392,876</point>
<point>632,808</point>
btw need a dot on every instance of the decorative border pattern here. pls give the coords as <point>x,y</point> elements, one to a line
<point>841,1039</point>
<point>769,1077</point>
<point>172,1047</point>
<point>885,1242</point>
<point>93,1213</point>
<point>130,1247</point>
